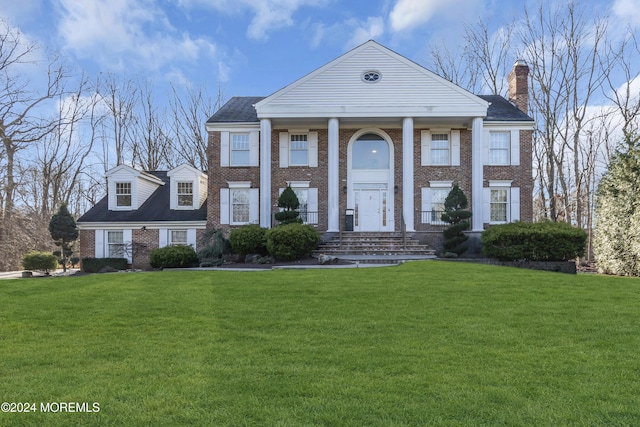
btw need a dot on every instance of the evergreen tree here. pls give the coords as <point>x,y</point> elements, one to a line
<point>455,213</point>
<point>617,236</point>
<point>290,203</point>
<point>64,232</point>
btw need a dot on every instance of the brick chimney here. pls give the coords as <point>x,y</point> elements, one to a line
<point>519,85</point>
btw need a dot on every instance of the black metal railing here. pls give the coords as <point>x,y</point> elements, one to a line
<point>307,217</point>
<point>431,218</point>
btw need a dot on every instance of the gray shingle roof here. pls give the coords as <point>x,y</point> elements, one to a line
<point>240,109</point>
<point>502,110</point>
<point>155,208</point>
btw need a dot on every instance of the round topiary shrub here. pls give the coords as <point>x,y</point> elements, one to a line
<point>292,241</point>
<point>173,257</point>
<point>249,239</point>
<point>40,261</point>
<point>542,241</point>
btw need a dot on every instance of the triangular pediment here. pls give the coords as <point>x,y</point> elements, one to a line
<point>395,87</point>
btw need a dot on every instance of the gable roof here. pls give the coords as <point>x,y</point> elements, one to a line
<point>404,89</point>
<point>155,208</point>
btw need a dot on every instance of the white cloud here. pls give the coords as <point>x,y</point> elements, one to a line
<point>122,33</point>
<point>408,14</point>
<point>370,29</point>
<point>267,15</point>
<point>627,11</point>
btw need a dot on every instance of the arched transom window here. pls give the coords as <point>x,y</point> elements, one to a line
<point>370,151</point>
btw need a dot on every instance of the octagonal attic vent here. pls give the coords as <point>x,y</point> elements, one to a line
<point>371,76</point>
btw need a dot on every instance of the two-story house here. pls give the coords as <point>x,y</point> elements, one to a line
<point>372,142</point>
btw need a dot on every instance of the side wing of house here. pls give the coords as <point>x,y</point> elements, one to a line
<point>143,211</point>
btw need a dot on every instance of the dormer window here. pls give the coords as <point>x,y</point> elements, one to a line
<point>185,194</point>
<point>123,194</point>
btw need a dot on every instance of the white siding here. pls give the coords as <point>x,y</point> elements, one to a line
<point>337,90</point>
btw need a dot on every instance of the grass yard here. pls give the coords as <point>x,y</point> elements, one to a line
<point>425,343</point>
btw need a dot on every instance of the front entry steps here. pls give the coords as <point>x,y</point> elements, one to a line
<point>374,247</point>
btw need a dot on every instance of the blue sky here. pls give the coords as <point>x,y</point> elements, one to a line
<point>251,47</point>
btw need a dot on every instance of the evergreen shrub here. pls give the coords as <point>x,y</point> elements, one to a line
<point>248,239</point>
<point>40,261</point>
<point>292,241</point>
<point>178,256</point>
<point>542,241</point>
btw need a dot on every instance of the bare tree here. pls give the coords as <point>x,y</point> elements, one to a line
<point>624,97</point>
<point>564,49</point>
<point>492,54</point>
<point>150,145</point>
<point>188,116</point>
<point>20,99</point>
<point>119,95</point>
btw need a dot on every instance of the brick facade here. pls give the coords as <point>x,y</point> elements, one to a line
<point>318,176</point>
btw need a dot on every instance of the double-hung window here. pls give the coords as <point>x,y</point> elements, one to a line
<point>299,150</point>
<point>185,194</point>
<point>499,204</point>
<point>499,148</point>
<point>115,244</point>
<point>240,205</point>
<point>440,149</point>
<point>240,150</point>
<point>123,194</point>
<point>178,237</point>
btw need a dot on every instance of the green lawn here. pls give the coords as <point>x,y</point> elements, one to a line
<point>425,343</point>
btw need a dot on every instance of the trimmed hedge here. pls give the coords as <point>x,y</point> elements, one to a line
<point>292,241</point>
<point>94,265</point>
<point>41,261</point>
<point>542,241</point>
<point>178,256</point>
<point>249,239</point>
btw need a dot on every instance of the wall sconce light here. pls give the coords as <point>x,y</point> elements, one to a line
<point>396,189</point>
<point>344,189</point>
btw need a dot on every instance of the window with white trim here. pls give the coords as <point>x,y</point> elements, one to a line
<point>499,203</point>
<point>239,206</point>
<point>185,194</point>
<point>123,194</point>
<point>240,149</point>
<point>298,150</point>
<point>178,237</point>
<point>115,244</point>
<point>440,154</point>
<point>499,144</point>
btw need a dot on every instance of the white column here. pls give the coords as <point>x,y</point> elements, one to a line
<point>407,173</point>
<point>265,173</point>
<point>333,179</point>
<point>477,178</point>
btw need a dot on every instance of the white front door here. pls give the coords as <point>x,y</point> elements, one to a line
<point>369,210</point>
